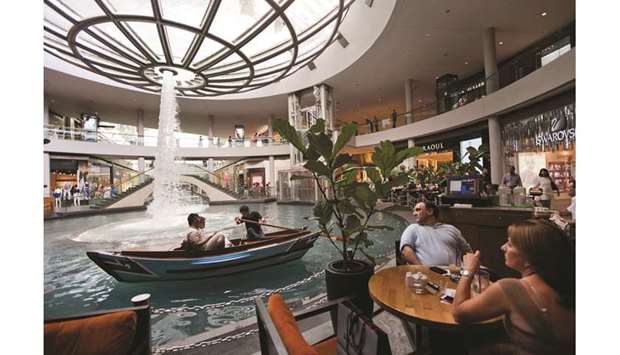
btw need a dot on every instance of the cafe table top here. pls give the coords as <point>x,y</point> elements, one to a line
<point>388,288</point>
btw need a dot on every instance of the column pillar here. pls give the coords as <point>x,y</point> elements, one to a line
<point>272,173</point>
<point>140,131</point>
<point>492,84</point>
<point>210,120</point>
<point>411,161</point>
<point>409,101</point>
<point>495,149</point>
<point>46,175</point>
<point>490,60</point>
<point>140,126</point>
<point>270,126</point>
<point>46,111</point>
<point>294,114</point>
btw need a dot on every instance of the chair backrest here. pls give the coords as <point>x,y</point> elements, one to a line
<point>270,341</point>
<point>123,328</point>
<point>399,256</point>
<point>357,332</point>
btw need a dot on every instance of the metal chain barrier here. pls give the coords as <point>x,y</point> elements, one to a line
<point>206,343</point>
<point>238,301</point>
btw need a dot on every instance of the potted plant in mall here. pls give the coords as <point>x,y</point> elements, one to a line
<point>346,206</point>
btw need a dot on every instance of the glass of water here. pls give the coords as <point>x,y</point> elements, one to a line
<point>481,281</point>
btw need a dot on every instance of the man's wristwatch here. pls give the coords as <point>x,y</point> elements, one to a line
<point>465,273</point>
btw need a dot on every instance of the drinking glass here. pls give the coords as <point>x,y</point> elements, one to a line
<point>481,281</point>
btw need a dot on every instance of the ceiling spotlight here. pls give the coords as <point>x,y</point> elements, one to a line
<point>501,43</point>
<point>543,14</point>
<point>466,63</point>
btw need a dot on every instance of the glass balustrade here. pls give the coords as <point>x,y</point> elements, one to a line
<point>195,141</point>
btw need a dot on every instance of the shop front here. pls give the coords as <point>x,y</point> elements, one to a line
<point>449,147</point>
<point>543,140</point>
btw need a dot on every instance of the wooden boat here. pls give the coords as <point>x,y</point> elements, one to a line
<point>139,266</point>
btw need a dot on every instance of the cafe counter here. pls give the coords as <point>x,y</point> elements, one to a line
<point>485,230</point>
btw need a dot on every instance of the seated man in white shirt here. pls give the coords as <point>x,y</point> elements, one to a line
<point>431,243</point>
<point>196,239</point>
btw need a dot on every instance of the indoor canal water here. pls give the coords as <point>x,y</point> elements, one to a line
<point>74,284</point>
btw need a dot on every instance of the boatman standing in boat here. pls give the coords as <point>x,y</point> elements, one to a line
<point>196,239</point>
<point>254,230</point>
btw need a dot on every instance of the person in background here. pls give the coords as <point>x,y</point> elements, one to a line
<point>370,126</point>
<point>486,177</point>
<point>545,183</point>
<point>429,242</point>
<point>66,191</point>
<point>86,192</point>
<point>394,118</point>
<point>230,141</point>
<point>77,195</point>
<point>254,230</point>
<point>113,191</point>
<point>572,208</point>
<point>538,308</point>
<point>512,179</point>
<point>57,194</point>
<point>196,240</point>
<point>375,122</point>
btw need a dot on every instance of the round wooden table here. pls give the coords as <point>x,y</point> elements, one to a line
<point>388,288</point>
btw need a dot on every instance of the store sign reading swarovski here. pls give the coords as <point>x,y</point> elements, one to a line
<point>558,133</point>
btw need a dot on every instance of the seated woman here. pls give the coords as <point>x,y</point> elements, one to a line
<point>539,308</point>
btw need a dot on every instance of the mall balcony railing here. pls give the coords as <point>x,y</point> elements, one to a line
<point>60,133</point>
<point>461,93</point>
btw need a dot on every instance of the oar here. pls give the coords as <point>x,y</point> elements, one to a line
<point>265,224</point>
<point>223,229</point>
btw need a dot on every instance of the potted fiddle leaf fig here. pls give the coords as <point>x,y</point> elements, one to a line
<point>346,206</point>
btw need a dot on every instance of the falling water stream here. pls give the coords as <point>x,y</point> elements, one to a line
<point>166,187</point>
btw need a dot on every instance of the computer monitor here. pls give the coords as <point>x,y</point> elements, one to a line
<point>463,186</point>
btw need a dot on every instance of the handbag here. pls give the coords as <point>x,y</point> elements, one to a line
<point>357,334</point>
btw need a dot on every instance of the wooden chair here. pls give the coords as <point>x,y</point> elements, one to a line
<point>278,331</point>
<point>117,331</point>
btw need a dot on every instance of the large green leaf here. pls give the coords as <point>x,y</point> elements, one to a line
<point>318,168</point>
<point>341,160</point>
<point>373,174</point>
<point>289,133</point>
<point>408,153</point>
<point>323,212</point>
<point>318,126</point>
<point>346,133</point>
<point>311,154</point>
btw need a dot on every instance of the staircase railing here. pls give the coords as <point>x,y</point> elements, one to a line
<point>103,196</point>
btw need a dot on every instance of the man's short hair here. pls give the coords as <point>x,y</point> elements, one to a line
<point>431,206</point>
<point>191,218</point>
<point>244,209</point>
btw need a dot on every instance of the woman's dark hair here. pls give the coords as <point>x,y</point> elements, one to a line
<point>550,253</point>
<point>191,218</point>
<point>244,209</point>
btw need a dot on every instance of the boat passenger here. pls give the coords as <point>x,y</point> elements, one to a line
<point>196,239</point>
<point>254,230</point>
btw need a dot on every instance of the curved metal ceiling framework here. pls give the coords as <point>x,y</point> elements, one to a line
<point>133,42</point>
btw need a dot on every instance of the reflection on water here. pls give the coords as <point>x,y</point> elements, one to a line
<point>74,284</point>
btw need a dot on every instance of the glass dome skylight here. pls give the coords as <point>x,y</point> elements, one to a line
<point>212,47</point>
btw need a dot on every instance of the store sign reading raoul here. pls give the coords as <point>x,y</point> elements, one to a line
<point>558,133</point>
<point>432,147</point>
